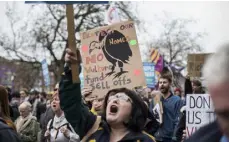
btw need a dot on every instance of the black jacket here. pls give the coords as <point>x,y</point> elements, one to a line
<point>208,133</point>
<point>7,134</point>
<point>83,121</point>
<point>14,113</point>
<point>178,132</point>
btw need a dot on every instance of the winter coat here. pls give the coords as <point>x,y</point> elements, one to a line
<point>41,108</point>
<point>208,133</point>
<point>87,125</point>
<point>29,128</point>
<point>178,133</point>
<point>152,124</point>
<point>7,134</point>
<point>14,113</point>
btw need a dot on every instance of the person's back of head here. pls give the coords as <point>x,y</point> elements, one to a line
<point>4,107</point>
<point>4,102</point>
<point>43,95</point>
<point>16,94</point>
<point>215,73</point>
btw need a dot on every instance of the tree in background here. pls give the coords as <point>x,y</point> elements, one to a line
<point>175,42</point>
<point>47,31</point>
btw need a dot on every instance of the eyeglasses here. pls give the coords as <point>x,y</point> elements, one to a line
<point>120,97</point>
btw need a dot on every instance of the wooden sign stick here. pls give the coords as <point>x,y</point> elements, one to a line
<point>72,41</point>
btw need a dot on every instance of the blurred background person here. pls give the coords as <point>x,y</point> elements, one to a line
<point>48,114</point>
<point>197,87</point>
<point>24,95</point>
<point>97,105</point>
<point>58,128</point>
<point>26,124</point>
<point>15,102</point>
<point>5,107</point>
<point>41,105</point>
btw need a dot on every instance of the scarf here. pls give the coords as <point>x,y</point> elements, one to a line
<point>21,122</point>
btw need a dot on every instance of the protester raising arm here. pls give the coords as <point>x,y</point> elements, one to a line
<point>77,114</point>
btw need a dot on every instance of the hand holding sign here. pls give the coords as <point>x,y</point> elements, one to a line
<point>71,57</point>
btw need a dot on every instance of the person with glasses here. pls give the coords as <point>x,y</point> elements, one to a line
<point>123,118</point>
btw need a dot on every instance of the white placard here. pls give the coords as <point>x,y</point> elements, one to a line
<point>199,112</point>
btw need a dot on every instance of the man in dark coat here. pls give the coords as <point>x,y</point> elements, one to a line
<point>215,72</point>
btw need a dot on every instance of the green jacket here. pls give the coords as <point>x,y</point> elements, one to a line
<point>29,130</point>
<point>84,121</point>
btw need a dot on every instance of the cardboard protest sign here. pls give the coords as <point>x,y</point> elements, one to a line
<point>199,112</point>
<point>149,69</point>
<point>195,64</point>
<point>111,58</point>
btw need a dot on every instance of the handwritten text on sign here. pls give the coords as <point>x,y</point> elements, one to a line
<point>199,112</point>
<point>111,58</point>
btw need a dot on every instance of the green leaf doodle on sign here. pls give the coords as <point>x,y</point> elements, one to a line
<point>133,42</point>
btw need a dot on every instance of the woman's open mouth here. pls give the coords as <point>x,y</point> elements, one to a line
<point>113,109</point>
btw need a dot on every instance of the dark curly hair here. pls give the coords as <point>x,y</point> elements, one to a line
<point>139,111</point>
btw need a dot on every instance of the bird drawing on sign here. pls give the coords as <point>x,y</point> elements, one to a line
<point>116,49</point>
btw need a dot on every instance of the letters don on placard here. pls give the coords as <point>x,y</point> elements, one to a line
<point>199,112</point>
<point>111,58</point>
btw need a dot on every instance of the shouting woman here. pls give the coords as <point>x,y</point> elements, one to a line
<point>123,118</point>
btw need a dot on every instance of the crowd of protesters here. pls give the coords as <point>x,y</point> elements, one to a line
<point>75,114</point>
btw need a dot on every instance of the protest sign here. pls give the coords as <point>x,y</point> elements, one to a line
<point>195,64</point>
<point>149,69</point>
<point>111,58</point>
<point>199,112</point>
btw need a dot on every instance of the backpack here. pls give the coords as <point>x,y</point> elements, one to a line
<point>51,127</point>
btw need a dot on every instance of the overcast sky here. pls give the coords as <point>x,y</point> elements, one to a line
<point>212,17</point>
